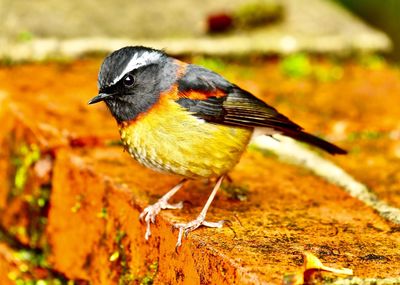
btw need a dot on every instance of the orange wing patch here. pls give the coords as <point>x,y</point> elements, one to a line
<point>201,95</point>
<point>191,94</point>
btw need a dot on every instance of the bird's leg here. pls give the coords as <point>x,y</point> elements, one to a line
<point>150,212</point>
<point>184,229</point>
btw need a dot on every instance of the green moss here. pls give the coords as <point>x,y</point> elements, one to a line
<point>35,258</point>
<point>19,231</point>
<point>365,135</point>
<point>22,159</point>
<point>29,260</point>
<point>126,279</point>
<point>126,276</point>
<point>78,203</point>
<point>120,258</point>
<point>235,192</point>
<point>118,238</point>
<point>103,213</point>
<point>148,279</point>
<point>38,206</point>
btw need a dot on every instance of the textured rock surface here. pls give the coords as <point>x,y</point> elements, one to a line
<point>91,229</point>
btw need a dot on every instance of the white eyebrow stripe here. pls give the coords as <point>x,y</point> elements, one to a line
<point>136,62</point>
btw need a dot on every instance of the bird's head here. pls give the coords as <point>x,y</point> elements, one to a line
<point>131,80</point>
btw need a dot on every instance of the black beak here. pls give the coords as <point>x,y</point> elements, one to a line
<point>100,97</point>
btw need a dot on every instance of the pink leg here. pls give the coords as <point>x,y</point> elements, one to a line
<point>185,228</point>
<point>150,212</point>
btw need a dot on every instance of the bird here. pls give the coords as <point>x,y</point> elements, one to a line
<point>184,119</point>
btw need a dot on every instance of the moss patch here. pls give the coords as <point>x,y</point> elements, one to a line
<point>23,159</point>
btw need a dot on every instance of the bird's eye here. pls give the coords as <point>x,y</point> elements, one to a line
<point>128,80</point>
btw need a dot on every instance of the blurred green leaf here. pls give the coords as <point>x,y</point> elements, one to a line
<point>296,65</point>
<point>25,36</point>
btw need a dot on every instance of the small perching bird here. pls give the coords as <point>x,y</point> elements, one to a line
<point>186,120</point>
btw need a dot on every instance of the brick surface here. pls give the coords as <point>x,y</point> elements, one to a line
<point>7,265</point>
<point>92,231</point>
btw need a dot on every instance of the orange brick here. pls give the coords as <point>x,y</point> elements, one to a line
<point>97,193</point>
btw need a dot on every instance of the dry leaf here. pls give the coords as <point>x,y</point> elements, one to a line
<point>313,268</point>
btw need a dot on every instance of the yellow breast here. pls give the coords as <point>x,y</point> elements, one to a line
<point>167,138</point>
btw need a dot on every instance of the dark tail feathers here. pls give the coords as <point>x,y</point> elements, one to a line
<point>315,141</point>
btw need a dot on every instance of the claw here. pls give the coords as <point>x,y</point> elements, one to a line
<point>185,229</point>
<point>150,213</point>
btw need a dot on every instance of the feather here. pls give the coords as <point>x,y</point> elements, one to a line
<point>209,96</point>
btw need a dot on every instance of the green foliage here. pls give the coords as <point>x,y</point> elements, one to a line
<point>231,68</point>
<point>300,66</point>
<point>7,61</point>
<point>25,36</point>
<point>213,63</point>
<point>296,65</point>
<point>327,73</point>
<point>372,61</point>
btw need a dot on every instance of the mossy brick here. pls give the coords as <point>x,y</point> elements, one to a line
<point>33,128</point>
<point>97,191</point>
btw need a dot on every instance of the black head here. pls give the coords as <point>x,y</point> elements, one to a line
<point>131,79</point>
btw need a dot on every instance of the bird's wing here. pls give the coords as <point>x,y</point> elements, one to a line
<point>209,96</point>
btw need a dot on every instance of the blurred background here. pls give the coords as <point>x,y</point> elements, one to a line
<point>38,29</point>
<point>384,16</point>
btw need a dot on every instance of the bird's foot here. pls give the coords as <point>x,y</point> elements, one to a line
<point>150,212</point>
<point>186,228</point>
